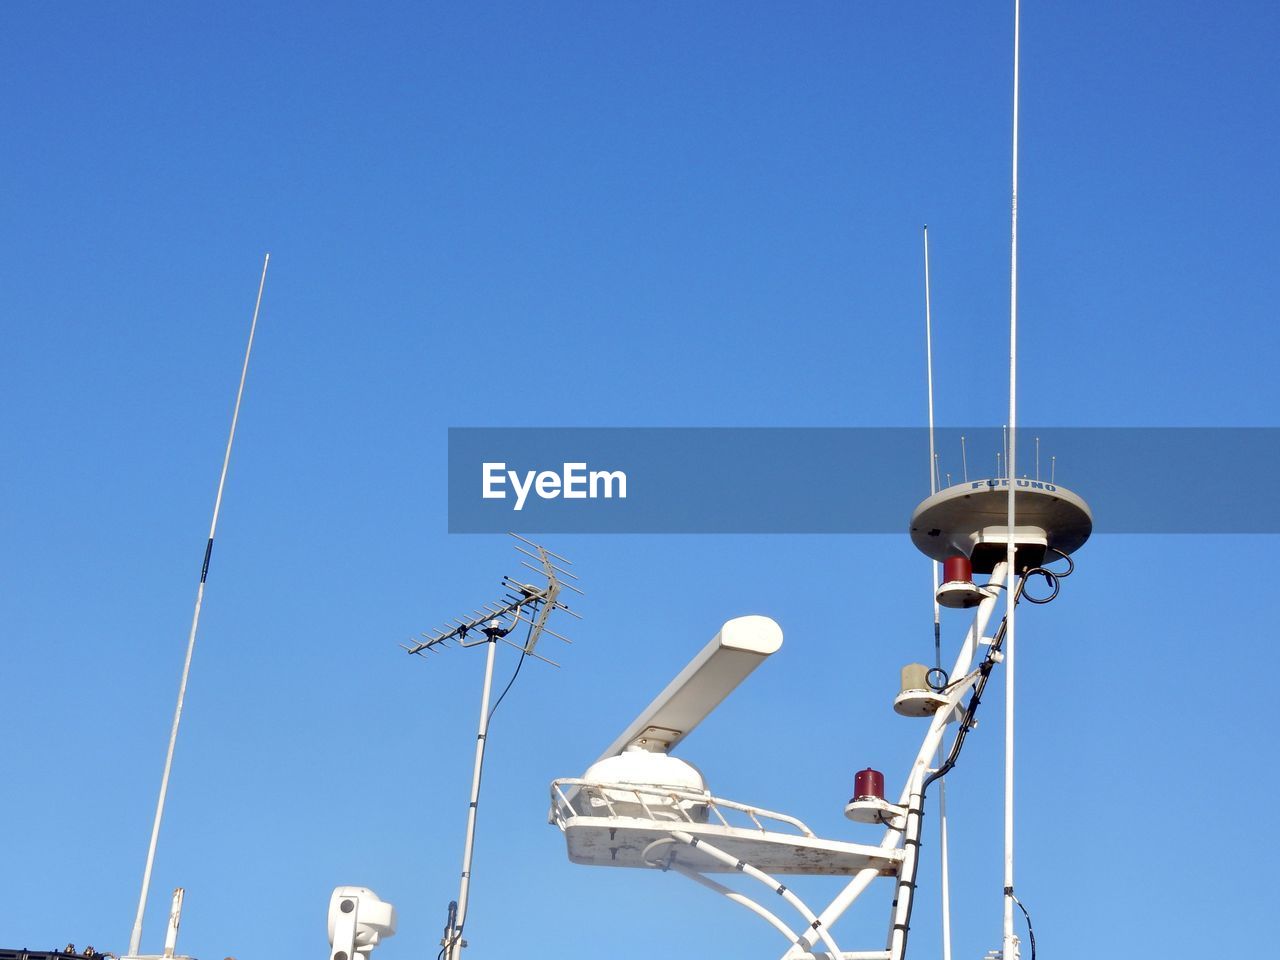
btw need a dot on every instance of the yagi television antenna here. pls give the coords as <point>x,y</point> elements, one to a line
<point>524,603</point>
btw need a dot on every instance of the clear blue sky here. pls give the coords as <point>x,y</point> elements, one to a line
<point>658,214</point>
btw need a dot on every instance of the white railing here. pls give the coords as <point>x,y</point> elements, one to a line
<point>660,803</point>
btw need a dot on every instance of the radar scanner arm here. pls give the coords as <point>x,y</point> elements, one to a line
<point>741,645</point>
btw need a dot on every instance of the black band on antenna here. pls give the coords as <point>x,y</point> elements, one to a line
<point>208,552</point>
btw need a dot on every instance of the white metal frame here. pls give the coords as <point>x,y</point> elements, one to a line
<point>900,843</point>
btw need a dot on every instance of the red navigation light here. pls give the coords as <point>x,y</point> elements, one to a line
<point>868,784</point>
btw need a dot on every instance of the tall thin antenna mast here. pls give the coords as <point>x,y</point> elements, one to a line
<point>136,937</point>
<point>524,603</point>
<point>1009,948</point>
<point>933,456</point>
<point>928,352</point>
<point>937,617</point>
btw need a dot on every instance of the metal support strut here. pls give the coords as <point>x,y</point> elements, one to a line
<point>715,853</point>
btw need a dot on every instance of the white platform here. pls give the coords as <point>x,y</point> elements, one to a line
<point>874,810</point>
<point>621,841</point>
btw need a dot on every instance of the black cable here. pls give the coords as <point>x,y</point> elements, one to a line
<point>1031,934</point>
<point>1051,579</point>
<point>524,652</point>
<point>966,722</point>
<point>1071,564</point>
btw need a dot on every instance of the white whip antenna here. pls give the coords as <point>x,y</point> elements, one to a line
<point>928,352</point>
<point>136,937</point>
<point>933,456</point>
<point>1009,948</point>
<point>937,613</point>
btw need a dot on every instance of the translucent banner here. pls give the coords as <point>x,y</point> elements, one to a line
<point>848,480</point>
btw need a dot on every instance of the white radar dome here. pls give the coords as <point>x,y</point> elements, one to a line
<point>666,788</point>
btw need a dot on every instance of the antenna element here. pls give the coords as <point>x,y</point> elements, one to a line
<point>1009,947</point>
<point>135,937</point>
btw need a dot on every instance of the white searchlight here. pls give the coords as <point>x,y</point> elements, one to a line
<point>358,922</point>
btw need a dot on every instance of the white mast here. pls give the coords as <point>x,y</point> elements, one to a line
<point>453,937</point>
<point>933,456</point>
<point>937,613</point>
<point>1009,949</point>
<point>928,351</point>
<point>136,937</point>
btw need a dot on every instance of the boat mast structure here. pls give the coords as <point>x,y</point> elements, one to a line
<point>523,604</point>
<point>639,806</point>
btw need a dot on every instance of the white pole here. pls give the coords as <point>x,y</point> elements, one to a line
<point>1009,949</point>
<point>928,351</point>
<point>454,938</point>
<point>933,456</point>
<point>175,920</point>
<point>937,614</point>
<point>946,869</point>
<point>136,937</point>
